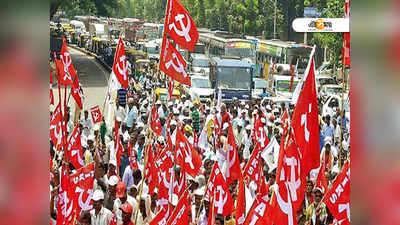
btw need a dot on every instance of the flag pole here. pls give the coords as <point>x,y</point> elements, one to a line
<point>148,141</point>
<point>342,104</point>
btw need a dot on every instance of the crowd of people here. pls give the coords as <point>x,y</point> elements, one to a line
<point>123,193</point>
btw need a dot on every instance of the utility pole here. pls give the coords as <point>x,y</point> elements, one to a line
<point>275,21</point>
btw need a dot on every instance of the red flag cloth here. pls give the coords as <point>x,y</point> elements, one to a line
<point>76,92</point>
<point>161,217</point>
<point>346,49</point>
<point>321,181</point>
<point>240,204</point>
<point>257,212</point>
<point>281,211</point>
<point>186,155</point>
<point>82,185</point>
<point>172,63</point>
<point>150,171</point>
<point>180,26</point>
<point>55,125</point>
<point>337,199</point>
<point>180,214</point>
<point>305,122</point>
<point>181,187</point>
<point>118,153</point>
<point>74,148</point>
<point>252,168</point>
<point>289,170</point>
<point>51,89</point>
<point>66,71</point>
<point>65,204</point>
<point>120,66</point>
<point>113,220</point>
<point>233,171</point>
<point>96,114</point>
<point>259,134</point>
<point>132,158</point>
<point>217,185</point>
<point>155,121</point>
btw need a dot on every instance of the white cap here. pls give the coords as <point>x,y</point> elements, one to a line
<point>113,162</point>
<point>98,195</point>
<point>254,112</point>
<point>225,126</point>
<point>244,111</point>
<point>113,180</point>
<point>262,120</point>
<point>126,137</point>
<point>248,127</point>
<point>119,119</point>
<point>176,111</point>
<point>91,137</point>
<point>199,191</point>
<point>158,102</point>
<point>170,104</point>
<point>140,124</point>
<point>328,140</point>
<point>242,103</point>
<point>130,100</point>
<point>183,96</point>
<point>268,107</point>
<point>345,145</point>
<point>270,124</point>
<point>247,107</point>
<point>160,139</point>
<point>173,122</point>
<point>175,200</point>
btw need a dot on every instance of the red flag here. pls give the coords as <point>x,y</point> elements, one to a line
<point>51,89</point>
<point>113,220</point>
<point>151,171</point>
<point>82,183</point>
<point>55,125</point>
<point>96,114</point>
<point>155,121</point>
<point>305,122</point>
<point>76,92</point>
<point>66,70</point>
<point>252,168</point>
<point>217,185</point>
<point>257,212</point>
<point>162,216</point>
<point>74,148</point>
<point>172,63</point>
<point>118,153</point>
<point>65,204</point>
<point>132,158</point>
<point>181,187</point>
<point>120,66</point>
<point>186,155</point>
<point>259,134</point>
<point>180,214</point>
<point>233,171</point>
<point>337,199</point>
<point>240,203</point>
<point>321,181</point>
<point>281,211</point>
<point>180,26</point>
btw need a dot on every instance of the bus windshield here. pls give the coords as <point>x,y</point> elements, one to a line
<point>200,62</point>
<point>283,85</point>
<point>241,52</point>
<point>234,78</point>
<point>201,83</point>
<point>300,55</point>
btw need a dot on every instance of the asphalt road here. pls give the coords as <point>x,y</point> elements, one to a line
<point>93,78</point>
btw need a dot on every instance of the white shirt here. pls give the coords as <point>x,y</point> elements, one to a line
<point>118,203</point>
<point>87,125</point>
<point>103,218</point>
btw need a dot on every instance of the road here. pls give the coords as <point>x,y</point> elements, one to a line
<point>93,78</point>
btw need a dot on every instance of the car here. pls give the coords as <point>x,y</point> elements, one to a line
<point>333,102</point>
<point>324,80</point>
<point>200,89</point>
<point>261,88</point>
<point>200,63</point>
<point>332,89</point>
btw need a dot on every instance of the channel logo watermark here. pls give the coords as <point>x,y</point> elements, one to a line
<point>321,25</point>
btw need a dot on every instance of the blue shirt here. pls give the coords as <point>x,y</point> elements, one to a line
<point>132,115</point>
<point>124,164</point>
<point>139,154</point>
<point>328,131</point>
<point>321,141</point>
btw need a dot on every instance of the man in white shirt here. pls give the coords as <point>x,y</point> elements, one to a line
<point>122,198</point>
<point>99,214</point>
<point>86,123</point>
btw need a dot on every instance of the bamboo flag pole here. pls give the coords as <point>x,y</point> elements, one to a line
<point>204,195</point>
<point>148,141</point>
